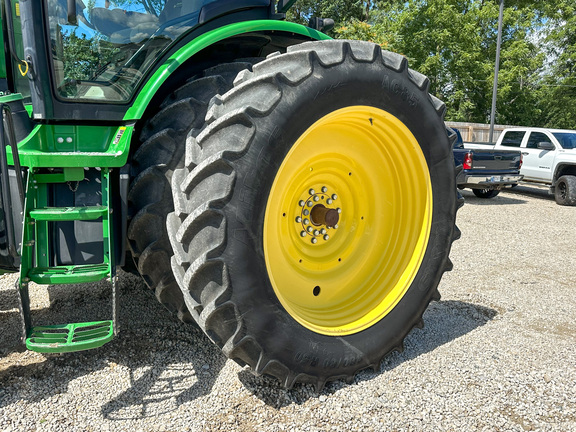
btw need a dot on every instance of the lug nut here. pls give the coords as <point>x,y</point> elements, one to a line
<point>323,230</point>
<point>339,210</point>
<point>301,203</point>
<point>336,226</point>
<point>324,189</point>
<point>314,240</point>
<point>311,191</point>
<point>310,229</point>
<point>326,237</point>
<point>306,221</point>
<point>334,196</point>
<point>329,201</point>
<point>298,219</point>
<point>316,198</point>
<point>306,212</point>
<point>310,203</point>
<point>303,234</point>
<point>316,232</point>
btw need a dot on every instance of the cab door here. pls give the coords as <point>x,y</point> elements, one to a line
<point>538,163</point>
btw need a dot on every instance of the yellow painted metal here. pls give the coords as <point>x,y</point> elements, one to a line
<point>375,167</point>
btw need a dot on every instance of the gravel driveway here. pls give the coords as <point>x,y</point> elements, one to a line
<point>497,353</point>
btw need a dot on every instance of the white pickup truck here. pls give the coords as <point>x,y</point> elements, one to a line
<point>549,157</point>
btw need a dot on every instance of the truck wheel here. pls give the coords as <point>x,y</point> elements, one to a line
<point>565,191</point>
<point>302,230</point>
<point>485,193</point>
<point>161,150</point>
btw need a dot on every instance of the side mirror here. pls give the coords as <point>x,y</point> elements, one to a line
<point>72,20</point>
<point>546,145</point>
<point>321,24</point>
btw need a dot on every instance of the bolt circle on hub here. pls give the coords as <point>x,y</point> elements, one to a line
<point>318,215</point>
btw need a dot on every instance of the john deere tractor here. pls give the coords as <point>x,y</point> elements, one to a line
<point>292,194</point>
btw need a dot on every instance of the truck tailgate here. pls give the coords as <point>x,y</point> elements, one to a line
<point>496,160</point>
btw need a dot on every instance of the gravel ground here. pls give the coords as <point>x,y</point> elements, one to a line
<point>496,353</point>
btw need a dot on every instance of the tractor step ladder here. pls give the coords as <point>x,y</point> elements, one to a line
<point>36,267</point>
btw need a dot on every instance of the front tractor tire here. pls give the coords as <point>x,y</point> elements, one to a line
<point>316,211</point>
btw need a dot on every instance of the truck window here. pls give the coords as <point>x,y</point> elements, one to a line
<point>566,139</point>
<point>513,138</point>
<point>535,138</point>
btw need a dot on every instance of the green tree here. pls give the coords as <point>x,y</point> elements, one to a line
<point>83,57</point>
<point>453,42</point>
<point>361,30</point>
<point>559,84</point>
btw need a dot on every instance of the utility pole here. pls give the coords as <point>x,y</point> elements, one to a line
<point>496,70</point>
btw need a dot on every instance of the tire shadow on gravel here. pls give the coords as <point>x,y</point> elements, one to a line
<point>8,300</point>
<point>501,199</point>
<point>158,362</point>
<point>530,191</point>
<point>444,321</point>
<point>10,322</point>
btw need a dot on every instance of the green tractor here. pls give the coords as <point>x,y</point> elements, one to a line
<point>291,194</point>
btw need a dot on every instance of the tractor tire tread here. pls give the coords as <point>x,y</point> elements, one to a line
<point>198,226</point>
<point>153,165</point>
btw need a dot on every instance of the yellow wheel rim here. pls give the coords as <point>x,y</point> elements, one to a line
<point>366,165</point>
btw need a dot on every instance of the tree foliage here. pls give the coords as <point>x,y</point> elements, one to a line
<point>560,81</point>
<point>82,57</point>
<point>453,42</point>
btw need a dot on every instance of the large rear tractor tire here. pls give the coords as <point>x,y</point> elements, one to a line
<point>565,191</point>
<point>316,211</point>
<point>160,152</point>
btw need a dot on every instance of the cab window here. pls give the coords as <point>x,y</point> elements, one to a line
<point>513,138</point>
<point>535,138</point>
<point>106,52</point>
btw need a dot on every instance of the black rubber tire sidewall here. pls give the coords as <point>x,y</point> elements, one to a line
<point>485,193</point>
<point>278,334</point>
<point>569,183</point>
<point>164,137</point>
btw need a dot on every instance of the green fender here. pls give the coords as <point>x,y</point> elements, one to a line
<point>198,44</point>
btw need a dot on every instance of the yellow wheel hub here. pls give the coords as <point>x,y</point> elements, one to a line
<point>348,220</point>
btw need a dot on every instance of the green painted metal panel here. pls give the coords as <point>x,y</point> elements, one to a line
<point>204,41</point>
<point>71,274</point>
<point>69,213</point>
<point>75,146</point>
<point>67,175</point>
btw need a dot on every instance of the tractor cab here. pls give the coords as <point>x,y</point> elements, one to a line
<point>88,60</point>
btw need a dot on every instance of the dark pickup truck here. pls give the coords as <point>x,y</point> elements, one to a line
<point>486,172</point>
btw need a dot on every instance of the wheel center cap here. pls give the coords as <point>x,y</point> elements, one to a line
<point>321,215</point>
